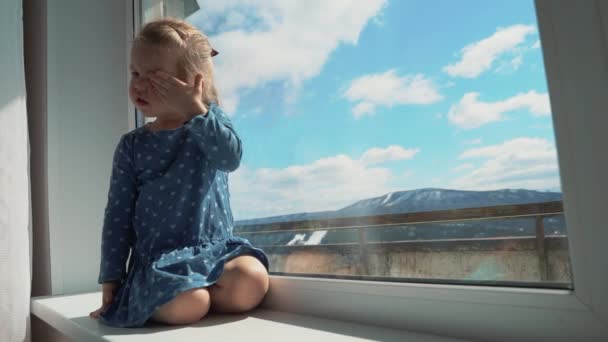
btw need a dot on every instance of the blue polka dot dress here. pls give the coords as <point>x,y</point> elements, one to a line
<point>169,209</point>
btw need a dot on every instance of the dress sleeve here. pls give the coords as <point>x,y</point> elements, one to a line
<point>216,137</point>
<point>117,233</point>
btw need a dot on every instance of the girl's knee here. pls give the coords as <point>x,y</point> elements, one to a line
<point>188,307</point>
<point>250,290</point>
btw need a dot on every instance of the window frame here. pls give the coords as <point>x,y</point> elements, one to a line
<point>134,12</point>
<point>573,53</point>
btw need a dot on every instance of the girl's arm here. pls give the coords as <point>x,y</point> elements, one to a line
<point>212,131</point>
<point>117,233</point>
<point>216,137</point>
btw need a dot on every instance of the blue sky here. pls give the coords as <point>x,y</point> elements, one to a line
<point>337,101</point>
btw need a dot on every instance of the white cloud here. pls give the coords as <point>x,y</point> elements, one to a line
<point>536,45</point>
<point>364,108</point>
<point>529,163</point>
<point>274,40</point>
<point>325,184</point>
<point>479,56</point>
<point>380,155</point>
<point>511,65</point>
<point>476,141</point>
<point>471,113</point>
<point>517,61</point>
<point>463,167</point>
<point>389,89</point>
<point>407,174</point>
<point>230,103</point>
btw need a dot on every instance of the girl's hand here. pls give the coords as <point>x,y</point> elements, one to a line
<point>179,96</point>
<point>108,291</point>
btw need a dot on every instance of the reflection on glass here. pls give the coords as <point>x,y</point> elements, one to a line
<point>392,139</point>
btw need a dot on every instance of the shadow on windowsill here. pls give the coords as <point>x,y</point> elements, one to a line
<point>100,329</point>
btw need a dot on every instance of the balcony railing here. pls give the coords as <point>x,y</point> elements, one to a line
<point>534,211</point>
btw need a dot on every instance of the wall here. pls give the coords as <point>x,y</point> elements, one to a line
<point>76,68</point>
<point>87,103</point>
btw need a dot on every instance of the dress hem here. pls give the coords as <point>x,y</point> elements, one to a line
<point>242,249</point>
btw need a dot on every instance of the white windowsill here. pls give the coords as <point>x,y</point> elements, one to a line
<point>69,315</point>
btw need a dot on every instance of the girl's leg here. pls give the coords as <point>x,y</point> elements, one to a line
<point>188,307</point>
<point>241,287</point>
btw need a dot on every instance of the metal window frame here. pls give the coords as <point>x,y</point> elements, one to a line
<point>133,23</point>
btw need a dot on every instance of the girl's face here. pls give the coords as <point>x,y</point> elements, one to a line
<point>146,59</point>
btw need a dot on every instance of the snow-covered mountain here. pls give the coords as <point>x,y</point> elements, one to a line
<point>428,199</point>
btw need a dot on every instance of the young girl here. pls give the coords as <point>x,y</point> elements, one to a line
<point>168,203</point>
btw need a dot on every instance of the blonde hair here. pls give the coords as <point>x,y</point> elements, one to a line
<point>196,50</point>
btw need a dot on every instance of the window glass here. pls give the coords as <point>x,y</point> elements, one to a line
<point>393,140</point>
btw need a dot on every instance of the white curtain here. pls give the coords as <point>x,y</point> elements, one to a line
<point>15,213</point>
